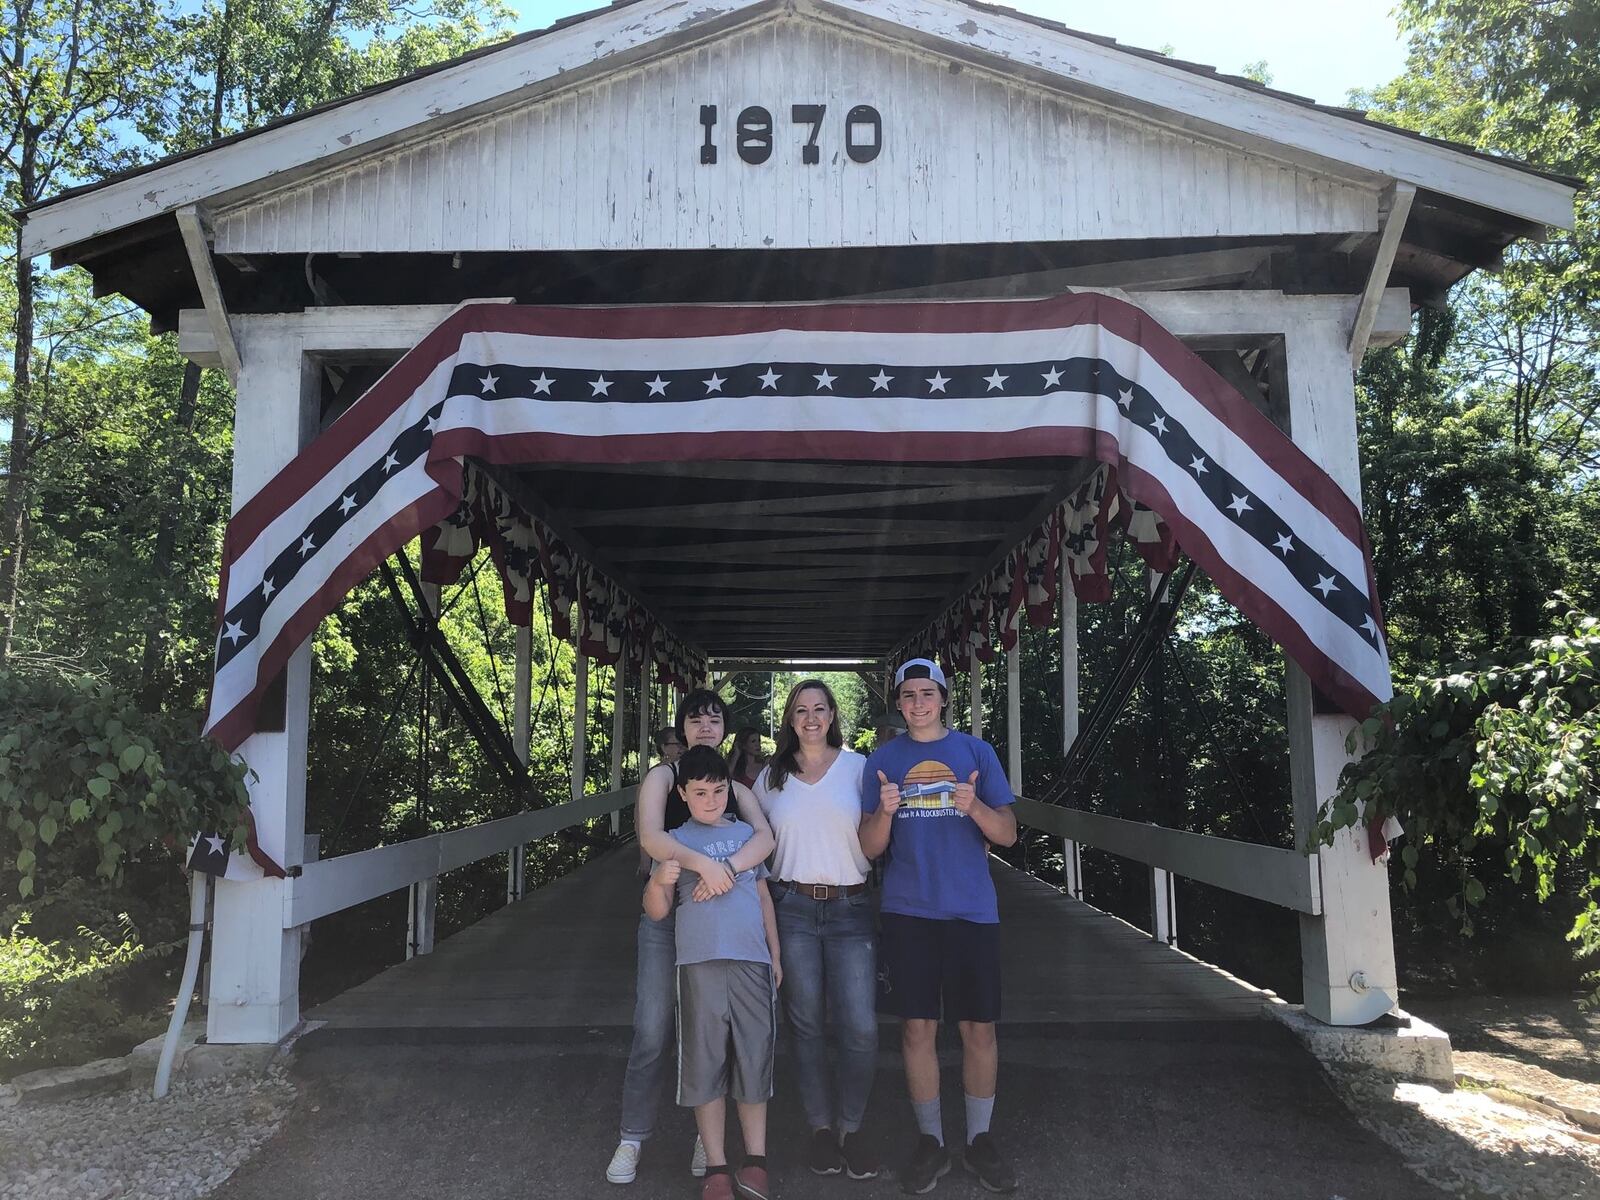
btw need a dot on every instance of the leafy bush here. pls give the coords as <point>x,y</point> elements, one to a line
<point>1497,764</point>
<point>95,990</point>
<point>88,782</point>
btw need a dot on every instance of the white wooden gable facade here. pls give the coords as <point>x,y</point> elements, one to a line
<point>958,154</point>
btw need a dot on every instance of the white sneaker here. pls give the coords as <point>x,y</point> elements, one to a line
<point>697,1161</point>
<point>624,1163</point>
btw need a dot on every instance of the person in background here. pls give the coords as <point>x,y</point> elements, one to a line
<point>747,759</point>
<point>669,744</point>
<point>810,791</point>
<point>887,727</point>
<point>937,798</point>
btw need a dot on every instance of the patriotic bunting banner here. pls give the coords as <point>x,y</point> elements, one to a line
<point>1190,464</point>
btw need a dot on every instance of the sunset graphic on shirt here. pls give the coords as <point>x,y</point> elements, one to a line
<point>928,771</point>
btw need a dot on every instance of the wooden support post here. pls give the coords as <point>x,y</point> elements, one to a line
<point>423,895</point>
<point>1346,953</point>
<point>254,991</point>
<point>580,725</point>
<point>521,730</point>
<point>975,684</point>
<point>1071,854</point>
<point>644,717</point>
<point>1163,906</point>
<point>1014,716</point>
<point>1397,201</point>
<point>619,690</point>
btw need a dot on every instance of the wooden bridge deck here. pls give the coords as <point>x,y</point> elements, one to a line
<point>564,959</point>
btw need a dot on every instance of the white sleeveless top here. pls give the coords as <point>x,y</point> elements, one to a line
<point>817,824</point>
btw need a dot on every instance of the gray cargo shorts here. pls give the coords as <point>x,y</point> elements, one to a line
<point>727,1031</point>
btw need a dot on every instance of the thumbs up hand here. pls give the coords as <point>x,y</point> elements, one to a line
<point>966,795</point>
<point>888,795</point>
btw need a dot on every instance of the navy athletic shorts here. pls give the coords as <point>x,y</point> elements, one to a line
<point>928,969</point>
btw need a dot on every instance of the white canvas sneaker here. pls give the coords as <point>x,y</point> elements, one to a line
<point>624,1163</point>
<point>697,1161</point>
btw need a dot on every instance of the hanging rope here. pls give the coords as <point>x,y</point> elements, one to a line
<point>488,646</point>
<point>383,737</point>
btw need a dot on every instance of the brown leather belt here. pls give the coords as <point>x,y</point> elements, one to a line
<point>822,891</point>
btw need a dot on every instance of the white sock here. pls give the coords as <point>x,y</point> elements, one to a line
<point>979,1111</point>
<point>634,1142</point>
<point>928,1119</point>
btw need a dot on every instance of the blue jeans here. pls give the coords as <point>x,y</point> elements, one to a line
<point>654,1003</point>
<point>830,968</point>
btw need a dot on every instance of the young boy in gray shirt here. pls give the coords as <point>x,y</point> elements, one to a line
<point>728,976</point>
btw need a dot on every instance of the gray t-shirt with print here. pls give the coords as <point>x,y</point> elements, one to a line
<point>727,926</point>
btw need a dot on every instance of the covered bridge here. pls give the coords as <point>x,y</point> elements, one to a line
<point>760,330</point>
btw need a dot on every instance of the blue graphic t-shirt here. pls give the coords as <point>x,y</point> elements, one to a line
<point>729,925</point>
<point>938,863</point>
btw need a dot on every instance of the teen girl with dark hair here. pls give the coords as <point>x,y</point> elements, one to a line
<point>701,721</point>
<point>810,791</point>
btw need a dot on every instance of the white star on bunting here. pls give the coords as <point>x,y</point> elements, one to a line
<point>996,381</point>
<point>1125,398</point>
<point>881,381</point>
<point>1159,424</point>
<point>1325,584</point>
<point>657,386</point>
<point>346,505</point>
<point>1284,544</point>
<point>306,545</point>
<point>431,423</point>
<point>215,843</point>
<point>234,632</point>
<point>1240,505</point>
<point>825,380</point>
<point>489,382</point>
<point>770,379</point>
<point>267,588</point>
<point>1370,626</point>
<point>541,385</point>
<point>1052,377</point>
<point>714,384</point>
<point>600,386</point>
<point>936,384</point>
<point>1198,466</point>
<point>391,460</point>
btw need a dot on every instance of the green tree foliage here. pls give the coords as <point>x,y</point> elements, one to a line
<point>1494,768</point>
<point>88,783</point>
<point>74,77</point>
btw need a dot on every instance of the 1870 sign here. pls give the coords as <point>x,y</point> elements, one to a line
<point>752,133</point>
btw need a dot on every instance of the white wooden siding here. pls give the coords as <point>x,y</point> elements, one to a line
<point>967,157</point>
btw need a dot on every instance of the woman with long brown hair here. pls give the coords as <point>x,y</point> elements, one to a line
<point>811,793</point>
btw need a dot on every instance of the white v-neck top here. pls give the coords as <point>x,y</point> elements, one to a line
<point>816,824</point>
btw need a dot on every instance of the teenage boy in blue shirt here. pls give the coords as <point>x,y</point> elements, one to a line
<point>935,799</point>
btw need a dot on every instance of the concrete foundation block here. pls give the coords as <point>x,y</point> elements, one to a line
<point>1399,1044</point>
<point>65,1083</point>
<point>146,1056</point>
<point>207,1061</point>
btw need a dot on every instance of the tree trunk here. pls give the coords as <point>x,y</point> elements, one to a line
<point>14,512</point>
<point>150,684</point>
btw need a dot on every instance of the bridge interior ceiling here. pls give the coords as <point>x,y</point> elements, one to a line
<point>762,559</point>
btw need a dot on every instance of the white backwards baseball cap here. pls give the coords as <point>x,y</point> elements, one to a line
<point>921,668</point>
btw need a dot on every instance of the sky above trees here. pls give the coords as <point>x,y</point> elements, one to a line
<point>1321,51</point>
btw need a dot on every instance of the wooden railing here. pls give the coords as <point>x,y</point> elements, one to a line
<point>1271,873</point>
<point>331,884</point>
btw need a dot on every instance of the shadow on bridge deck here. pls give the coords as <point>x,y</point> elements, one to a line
<point>492,1068</point>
